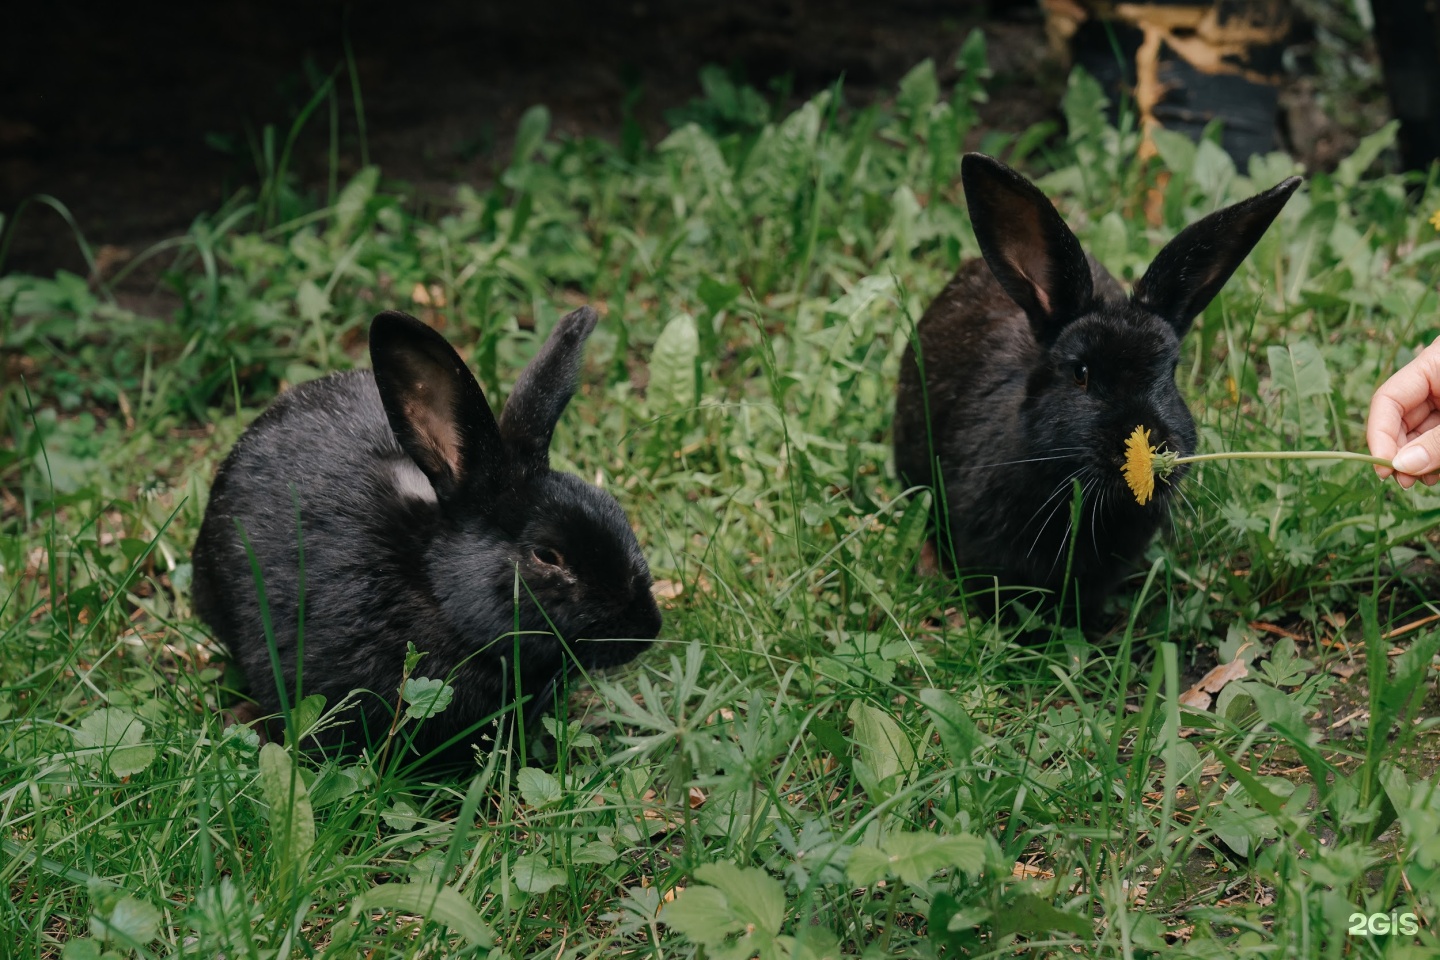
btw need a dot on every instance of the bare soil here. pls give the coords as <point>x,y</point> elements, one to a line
<point>138,118</point>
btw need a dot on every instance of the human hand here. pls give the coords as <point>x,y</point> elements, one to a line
<point>1404,421</point>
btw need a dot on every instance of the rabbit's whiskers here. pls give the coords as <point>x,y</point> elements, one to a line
<point>1064,485</point>
<point>1066,453</point>
<point>1061,487</point>
<point>1099,509</point>
<point>1064,544</point>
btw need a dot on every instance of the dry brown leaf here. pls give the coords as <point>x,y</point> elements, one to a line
<point>431,296</point>
<point>1276,629</point>
<point>1414,625</point>
<point>1361,714</point>
<point>660,820</point>
<point>1195,699</point>
<point>667,589</point>
<point>1199,696</point>
<point>1029,871</point>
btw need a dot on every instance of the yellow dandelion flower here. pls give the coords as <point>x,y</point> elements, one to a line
<point>1435,220</point>
<point>1143,463</point>
<point>1140,465</point>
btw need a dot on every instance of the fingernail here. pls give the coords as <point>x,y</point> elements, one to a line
<point>1412,460</point>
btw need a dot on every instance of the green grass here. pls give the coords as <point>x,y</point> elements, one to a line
<point>823,756</point>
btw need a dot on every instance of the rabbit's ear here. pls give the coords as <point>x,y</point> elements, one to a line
<point>544,388</point>
<point>1030,250</point>
<point>1189,270</point>
<point>436,409</point>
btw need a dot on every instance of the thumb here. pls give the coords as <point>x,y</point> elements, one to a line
<point>1420,456</point>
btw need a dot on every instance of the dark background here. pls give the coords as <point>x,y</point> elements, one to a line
<point>138,117</point>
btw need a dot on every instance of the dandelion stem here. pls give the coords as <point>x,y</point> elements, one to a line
<point>1143,463</point>
<point>1287,455</point>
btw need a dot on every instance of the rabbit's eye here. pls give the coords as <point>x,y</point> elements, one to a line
<point>1082,375</point>
<point>547,556</point>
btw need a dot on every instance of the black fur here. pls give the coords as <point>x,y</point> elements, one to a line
<point>392,554</point>
<point>1036,367</point>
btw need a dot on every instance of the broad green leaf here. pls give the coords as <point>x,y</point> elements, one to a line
<point>311,303</point>
<point>1084,106</point>
<point>534,875</point>
<point>880,743</point>
<point>350,205</point>
<point>292,820</point>
<point>1175,149</point>
<point>867,865</point>
<point>1297,548</point>
<point>952,923</point>
<point>306,713</point>
<point>116,733</point>
<point>570,734</point>
<point>425,697</point>
<point>1281,710</point>
<point>534,125</point>
<point>744,900</point>
<point>958,734</point>
<point>1421,829</point>
<point>1213,172</point>
<point>1029,914</point>
<point>1110,241</point>
<point>538,787</point>
<point>755,896</point>
<point>1183,763</point>
<point>436,903</point>
<point>83,950</point>
<point>1239,518</point>
<point>132,922</point>
<point>672,367</point>
<point>1299,369</point>
<point>296,373</point>
<point>332,783</point>
<point>401,816</point>
<point>916,857</point>
<point>973,57</point>
<point>1349,170</point>
<point>595,851</point>
<point>905,212</point>
<point>918,89</point>
<point>814,942</point>
<point>716,295</point>
<point>702,914</point>
<point>691,141</point>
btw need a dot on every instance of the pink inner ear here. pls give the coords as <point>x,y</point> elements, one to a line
<point>1038,289</point>
<point>426,409</point>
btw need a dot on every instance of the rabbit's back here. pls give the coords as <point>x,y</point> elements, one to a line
<point>325,497</point>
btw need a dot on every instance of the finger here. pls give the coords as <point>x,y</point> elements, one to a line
<point>1416,383</point>
<point>1409,395</point>
<point>1422,418</point>
<point>1427,421</point>
<point>1384,429</point>
<point>1420,456</point>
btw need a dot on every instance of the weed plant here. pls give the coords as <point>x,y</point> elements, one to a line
<point>822,756</point>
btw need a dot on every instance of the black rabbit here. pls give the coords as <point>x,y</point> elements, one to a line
<point>1036,367</point>
<point>417,511</point>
